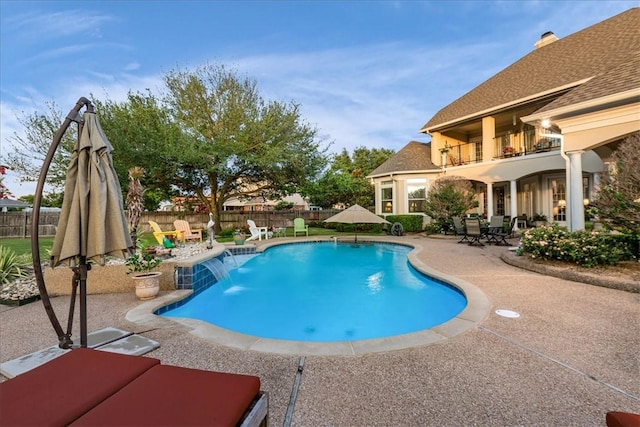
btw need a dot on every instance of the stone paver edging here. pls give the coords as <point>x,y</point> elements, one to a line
<point>476,311</point>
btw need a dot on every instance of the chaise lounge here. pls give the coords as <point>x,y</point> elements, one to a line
<point>93,387</point>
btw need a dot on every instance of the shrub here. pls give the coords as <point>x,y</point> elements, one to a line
<point>226,232</point>
<point>12,266</point>
<point>410,223</point>
<point>449,196</point>
<point>585,248</point>
<point>433,228</point>
<point>351,228</point>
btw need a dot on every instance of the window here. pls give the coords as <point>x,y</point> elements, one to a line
<point>529,206</point>
<point>416,195</point>
<point>499,200</point>
<point>386,197</point>
<point>559,199</point>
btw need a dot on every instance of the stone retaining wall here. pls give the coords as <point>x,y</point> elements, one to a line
<point>104,280</point>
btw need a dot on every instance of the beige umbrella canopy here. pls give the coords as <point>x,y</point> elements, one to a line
<point>92,222</point>
<point>356,214</point>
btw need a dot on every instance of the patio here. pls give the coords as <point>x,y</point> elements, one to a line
<point>570,357</point>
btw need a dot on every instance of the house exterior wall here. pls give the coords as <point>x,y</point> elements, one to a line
<point>399,185</point>
<point>535,137</point>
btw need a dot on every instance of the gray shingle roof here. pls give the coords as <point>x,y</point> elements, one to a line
<point>579,56</point>
<point>415,156</point>
<point>8,203</point>
<point>624,77</point>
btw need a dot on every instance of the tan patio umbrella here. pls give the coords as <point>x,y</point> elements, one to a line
<point>356,214</point>
<point>92,223</point>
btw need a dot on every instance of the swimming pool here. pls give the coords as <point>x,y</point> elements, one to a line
<point>325,292</point>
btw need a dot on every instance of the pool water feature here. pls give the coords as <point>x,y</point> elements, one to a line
<point>325,292</point>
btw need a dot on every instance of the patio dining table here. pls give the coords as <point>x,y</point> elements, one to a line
<point>489,233</point>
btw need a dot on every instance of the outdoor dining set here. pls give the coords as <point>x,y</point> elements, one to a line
<point>477,232</point>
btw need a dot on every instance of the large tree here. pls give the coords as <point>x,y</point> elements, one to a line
<point>345,182</point>
<point>618,199</point>
<point>214,137</point>
<point>30,148</point>
<point>143,134</point>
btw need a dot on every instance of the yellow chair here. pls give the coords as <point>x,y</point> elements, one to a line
<point>159,234</point>
<point>186,232</point>
<point>300,227</point>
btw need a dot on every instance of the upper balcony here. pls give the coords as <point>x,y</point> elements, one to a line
<point>507,145</point>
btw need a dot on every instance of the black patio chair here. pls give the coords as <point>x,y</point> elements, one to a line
<point>473,231</point>
<point>460,229</point>
<point>495,226</point>
<point>501,236</point>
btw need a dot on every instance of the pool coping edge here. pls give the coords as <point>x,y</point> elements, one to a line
<point>476,311</point>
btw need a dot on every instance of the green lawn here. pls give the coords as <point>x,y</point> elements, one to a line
<point>23,246</point>
<point>313,231</point>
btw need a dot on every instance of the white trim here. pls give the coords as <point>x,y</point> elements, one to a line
<point>413,172</point>
<point>628,94</point>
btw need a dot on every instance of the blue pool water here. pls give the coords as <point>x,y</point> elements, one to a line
<point>325,292</point>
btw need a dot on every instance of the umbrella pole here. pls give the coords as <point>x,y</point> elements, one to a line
<point>82,269</point>
<point>64,339</point>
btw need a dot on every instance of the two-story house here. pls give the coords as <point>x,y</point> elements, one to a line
<point>535,137</point>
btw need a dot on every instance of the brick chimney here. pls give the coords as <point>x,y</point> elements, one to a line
<point>545,39</point>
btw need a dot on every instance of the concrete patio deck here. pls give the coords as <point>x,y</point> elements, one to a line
<point>571,356</point>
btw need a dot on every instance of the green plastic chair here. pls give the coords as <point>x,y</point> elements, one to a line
<point>300,227</point>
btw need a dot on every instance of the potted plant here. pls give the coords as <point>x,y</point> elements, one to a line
<point>239,237</point>
<point>539,220</point>
<point>147,282</point>
<point>508,151</point>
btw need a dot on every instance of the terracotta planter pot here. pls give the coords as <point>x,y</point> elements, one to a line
<point>147,285</point>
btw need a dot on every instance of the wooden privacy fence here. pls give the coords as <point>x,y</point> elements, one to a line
<point>18,224</point>
<point>235,219</point>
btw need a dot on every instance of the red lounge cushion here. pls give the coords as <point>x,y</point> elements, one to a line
<point>59,391</point>
<point>622,419</point>
<point>174,396</point>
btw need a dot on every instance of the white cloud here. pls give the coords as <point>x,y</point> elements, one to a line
<point>34,25</point>
<point>132,66</point>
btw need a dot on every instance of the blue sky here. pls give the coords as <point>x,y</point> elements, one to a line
<point>366,73</point>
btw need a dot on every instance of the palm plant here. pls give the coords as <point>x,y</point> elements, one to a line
<point>135,205</point>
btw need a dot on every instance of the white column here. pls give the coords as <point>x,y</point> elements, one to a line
<point>394,197</point>
<point>489,200</point>
<point>575,205</point>
<point>488,136</point>
<point>513,191</point>
<point>376,197</point>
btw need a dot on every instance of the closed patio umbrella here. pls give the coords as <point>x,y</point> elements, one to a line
<point>92,223</point>
<point>356,214</point>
